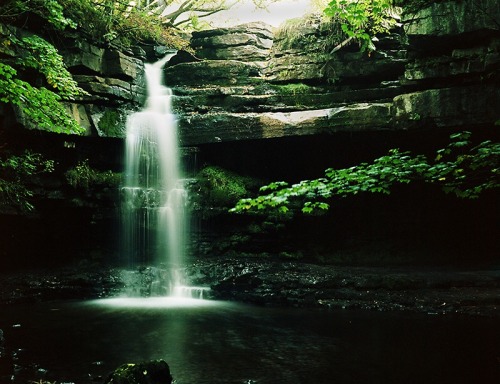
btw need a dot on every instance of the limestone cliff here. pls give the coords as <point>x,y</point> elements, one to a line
<point>434,72</point>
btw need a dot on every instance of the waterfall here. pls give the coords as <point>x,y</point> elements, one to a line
<point>153,195</point>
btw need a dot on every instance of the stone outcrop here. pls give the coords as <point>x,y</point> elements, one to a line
<point>246,42</point>
<point>465,106</point>
<point>434,76</point>
<point>453,18</point>
<point>455,64</point>
<point>211,72</point>
<point>217,127</point>
<point>446,76</point>
<point>252,82</point>
<point>115,81</point>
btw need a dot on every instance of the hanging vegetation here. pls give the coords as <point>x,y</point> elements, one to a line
<point>462,168</point>
<point>362,20</point>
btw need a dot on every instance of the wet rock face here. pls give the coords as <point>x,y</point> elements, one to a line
<point>210,73</point>
<point>446,18</point>
<point>245,42</point>
<point>153,372</point>
<point>454,61</point>
<point>448,107</point>
<point>115,81</point>
<point>252,82</point>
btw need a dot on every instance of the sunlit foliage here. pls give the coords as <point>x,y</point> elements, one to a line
<point>462,168</point>
<point>362,20</point>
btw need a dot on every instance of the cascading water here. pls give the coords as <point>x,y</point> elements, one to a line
<point>154,219</point>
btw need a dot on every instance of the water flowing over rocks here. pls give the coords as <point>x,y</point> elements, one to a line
<point>267,282</point>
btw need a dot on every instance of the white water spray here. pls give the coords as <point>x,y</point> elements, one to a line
<point>154,219</point>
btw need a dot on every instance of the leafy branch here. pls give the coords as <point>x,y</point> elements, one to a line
<point>51,10</point>
<point>15,174</point>
<point>460,168</point>
<point>40,106</point>
<point>38,54</point>
<point>361,20</point>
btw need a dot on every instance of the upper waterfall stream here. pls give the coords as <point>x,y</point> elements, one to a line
<point>154,198</point>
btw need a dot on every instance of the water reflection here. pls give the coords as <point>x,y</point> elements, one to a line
<point>208,342</point>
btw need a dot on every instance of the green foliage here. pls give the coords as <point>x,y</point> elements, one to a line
<point>50,10</point>
<point>290,33</point>
<point>16,172</point>
<point>464,169</point>
<point>361,20</point>
<point>85,177</point>
<point>42,56</point>
<point>222,188</point>
<point>39,107</point>
<point>460,168</point>
<point>111,123</point>
<point>120,23</point>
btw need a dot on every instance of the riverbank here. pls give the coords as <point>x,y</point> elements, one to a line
<point>270,282</point>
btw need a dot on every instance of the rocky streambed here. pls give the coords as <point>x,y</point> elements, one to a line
<point>271,282</point>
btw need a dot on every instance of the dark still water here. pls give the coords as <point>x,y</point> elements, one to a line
<point>216,342</point>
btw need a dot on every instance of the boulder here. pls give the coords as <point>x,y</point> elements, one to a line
<point>152,372</point>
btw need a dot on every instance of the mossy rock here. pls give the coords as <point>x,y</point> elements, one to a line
<point>151,372</point>
<point>112,123</point>
<point>220,187</point>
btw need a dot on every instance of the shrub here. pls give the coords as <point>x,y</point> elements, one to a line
<point>84,177</point>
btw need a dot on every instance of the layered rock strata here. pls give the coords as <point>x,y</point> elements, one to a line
<point>436,72</point>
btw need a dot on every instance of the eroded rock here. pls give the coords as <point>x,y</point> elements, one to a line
<point>245,42</point>
<point>213,72</point>
<point>447,18</point>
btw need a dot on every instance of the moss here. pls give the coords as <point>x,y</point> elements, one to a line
<point>293,89</point>
<point>290,34</point>
<point>111,123</point>
<point>219,187</point>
